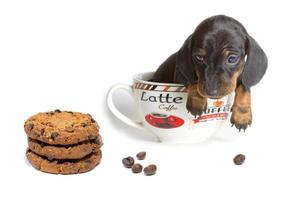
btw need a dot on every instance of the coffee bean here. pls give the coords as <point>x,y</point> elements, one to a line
<point>54,135</point>
<point>128,162</point>
<point>137,168</point>
<point>150,170</point>
<point>141,155</point>
<point>239,159</point>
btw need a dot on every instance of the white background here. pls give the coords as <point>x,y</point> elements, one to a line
<point>67,54</point>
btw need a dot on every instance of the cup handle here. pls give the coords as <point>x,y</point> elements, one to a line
<point>114,109</point>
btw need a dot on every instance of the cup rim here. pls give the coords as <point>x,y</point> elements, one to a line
<point>136,78</point>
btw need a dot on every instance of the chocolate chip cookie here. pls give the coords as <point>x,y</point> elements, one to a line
<point>57,166</point>
<point>61,127</point>
<point>76,151</point>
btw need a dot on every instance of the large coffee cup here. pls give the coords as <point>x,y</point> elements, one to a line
<point>161,109</point>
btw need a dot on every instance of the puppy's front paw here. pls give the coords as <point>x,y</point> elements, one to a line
<point>241,117</point>
<point>196,105</point>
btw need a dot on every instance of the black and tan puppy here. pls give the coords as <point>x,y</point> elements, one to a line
<point>218,58</point>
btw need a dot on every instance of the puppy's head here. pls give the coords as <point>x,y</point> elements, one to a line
<point>218,55</point>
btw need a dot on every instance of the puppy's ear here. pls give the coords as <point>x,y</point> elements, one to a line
<point>256,64</point>
<point>184,70</point>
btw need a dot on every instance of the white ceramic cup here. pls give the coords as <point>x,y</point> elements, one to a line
<point>161,109</point>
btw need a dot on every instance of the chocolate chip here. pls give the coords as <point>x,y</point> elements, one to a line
<point>150,170</point>
<point>92,119</point>
<point>69,129</point>
<point>128,162</point>
<point>49,124</point>
<point>90,137</point>
<point>137,168</point>
<point>36,134</point>
<point>57,110</point>
<point>239,159</point>
<point>83,124</point>
<point>30,127</point>
<point>97,141</point>
<point>141,155</point>
<point>42,131</point>
<point>42,144</point>
<point>54,135</point>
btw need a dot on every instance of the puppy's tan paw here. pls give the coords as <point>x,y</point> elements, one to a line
<point>241,117</point>
<point>196,105</point>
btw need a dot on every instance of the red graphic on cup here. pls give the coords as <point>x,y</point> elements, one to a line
<point>164,121</point>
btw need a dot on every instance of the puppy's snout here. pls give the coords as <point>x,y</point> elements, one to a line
<point>212,92</point>
<point>212,87</point>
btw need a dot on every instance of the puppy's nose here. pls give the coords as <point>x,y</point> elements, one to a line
<point>212,92</point>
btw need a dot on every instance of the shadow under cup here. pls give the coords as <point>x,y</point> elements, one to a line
<point>161,109</point>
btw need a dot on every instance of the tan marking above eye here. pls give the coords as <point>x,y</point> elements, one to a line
<point>226,52</point>
<point>200,52</point>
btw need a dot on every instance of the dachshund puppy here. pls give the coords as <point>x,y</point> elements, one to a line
<point>218,58</point>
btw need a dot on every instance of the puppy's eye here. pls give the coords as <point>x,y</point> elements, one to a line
<point>233,59</point>
<point>199,58</point>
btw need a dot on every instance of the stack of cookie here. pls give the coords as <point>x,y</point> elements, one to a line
<point>63,142</point>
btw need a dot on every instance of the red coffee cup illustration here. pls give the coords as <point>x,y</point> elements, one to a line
<point>164,121</point>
